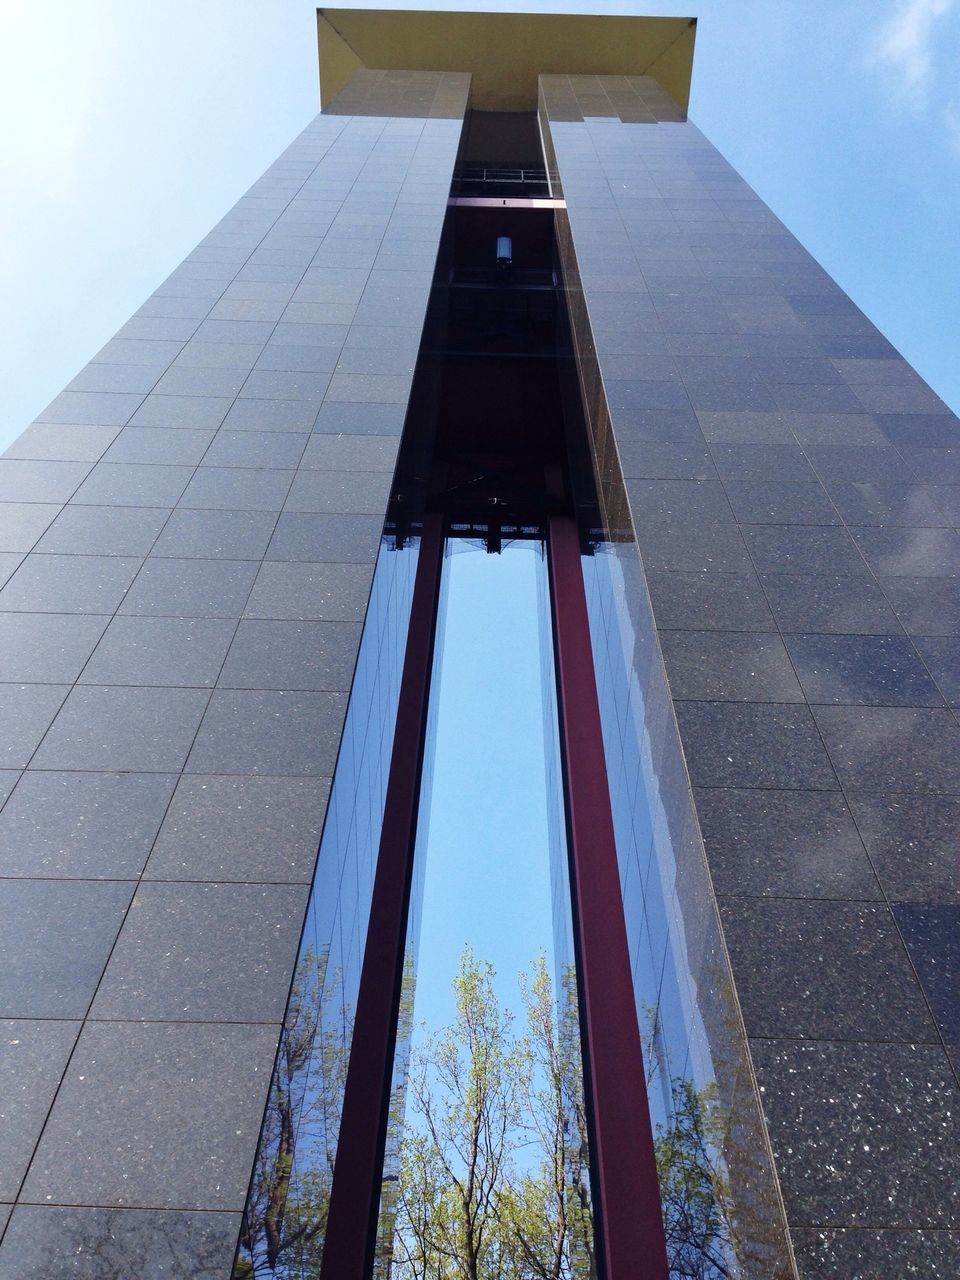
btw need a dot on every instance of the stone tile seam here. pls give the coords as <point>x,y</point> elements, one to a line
<point>345,123</point>
<point>142,883</point>
<point>67,1065</point>
<point>906,1042</point>
<point>344,126</point>
<point>120,1208</point>
<point>805,702</point>
<point>194,688</point>
<point>306,913</point>
<point>220,466</point>
<point>739,523</point>
<point>226,285</point>
<point>155,1022</point>
<point>167,772</point>
<point>616,211</point>
<point>938,1038</point>
<point>659,659</point>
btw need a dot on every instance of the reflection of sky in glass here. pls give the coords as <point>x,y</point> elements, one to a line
<point>308,1083</point>
<point>705,1118</point>
<point>490,877</point>
<point>648,843</point>
<point>486,867</point>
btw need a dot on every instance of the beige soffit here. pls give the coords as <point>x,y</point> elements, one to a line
<point>504,52</point>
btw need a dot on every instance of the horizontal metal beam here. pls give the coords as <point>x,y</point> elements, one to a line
<point>505,202</point>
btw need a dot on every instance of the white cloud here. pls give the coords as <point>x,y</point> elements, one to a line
<point>906,45</point>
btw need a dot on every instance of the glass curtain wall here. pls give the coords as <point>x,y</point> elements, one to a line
<point>460,1142</point>
<point>487,1168</point>
<point>286,1213</point>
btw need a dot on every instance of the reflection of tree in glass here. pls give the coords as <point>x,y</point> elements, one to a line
<point>114,1244</point>
<point>694,1189</point>
<point>286,1213</point>
<point>494,1175</point>
<point>396,1111</point>
<point>702,1240</point>
<point>493,1178</point>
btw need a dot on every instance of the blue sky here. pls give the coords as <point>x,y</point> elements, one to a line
<point>130,128</point>
<point>487,874</point>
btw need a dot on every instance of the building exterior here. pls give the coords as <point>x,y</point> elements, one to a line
<point>217,589</point>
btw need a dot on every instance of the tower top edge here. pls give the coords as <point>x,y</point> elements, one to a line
<point>505,53</point>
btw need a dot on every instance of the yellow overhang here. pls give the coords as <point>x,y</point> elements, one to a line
<point>504,52</point>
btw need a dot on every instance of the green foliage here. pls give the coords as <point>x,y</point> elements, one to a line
<point>286,1213</point>
<point>695,1192</point>
<point>486,1191</point>
<point>489,1179</point>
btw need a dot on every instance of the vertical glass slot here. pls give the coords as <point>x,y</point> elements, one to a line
<point>682,995</point>
<point>486,1170</point>
<point>285,1217</point>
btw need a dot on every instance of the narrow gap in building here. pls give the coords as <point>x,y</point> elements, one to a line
<point>487,451</point>
<point>487,1155</point>
<point>486,1150</point>
<point>495,448</point>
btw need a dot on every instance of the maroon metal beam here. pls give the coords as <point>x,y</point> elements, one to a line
<point>358,1169</point>
<point>628,1217</point>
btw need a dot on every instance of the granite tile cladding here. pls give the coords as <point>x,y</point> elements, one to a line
<point>181,611</point>
<point>697,1058</point>
<point>791,485</point>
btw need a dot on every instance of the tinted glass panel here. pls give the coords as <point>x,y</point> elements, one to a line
<point>487,1168</point>
<point>286,1210</point>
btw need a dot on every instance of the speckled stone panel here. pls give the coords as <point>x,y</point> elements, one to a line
<point>790,484</point>
<point>187,541</point>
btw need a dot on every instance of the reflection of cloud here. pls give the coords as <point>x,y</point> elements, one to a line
<point>906,44</point>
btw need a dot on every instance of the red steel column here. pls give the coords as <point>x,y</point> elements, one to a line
<point>628,1218</point>
<point>358,1169</point>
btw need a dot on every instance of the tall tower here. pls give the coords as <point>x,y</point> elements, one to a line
<point>499,288</point>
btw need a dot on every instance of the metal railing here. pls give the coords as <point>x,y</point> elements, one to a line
<point>500,180</point>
